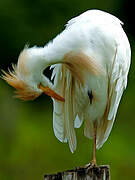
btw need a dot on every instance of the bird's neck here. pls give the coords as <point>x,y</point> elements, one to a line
<point>52,55</point>
<point>55,51</point>
<point>47,55</point>
<point>42,57</point>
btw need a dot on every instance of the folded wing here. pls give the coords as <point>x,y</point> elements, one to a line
<point>69,114</point>
<point>117,82</point>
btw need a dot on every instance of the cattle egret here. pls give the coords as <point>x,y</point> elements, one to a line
<point>90,61</point>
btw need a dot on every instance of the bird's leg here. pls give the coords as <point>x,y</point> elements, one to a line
<point>93,161</point>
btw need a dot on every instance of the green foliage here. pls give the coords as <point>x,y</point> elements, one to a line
<point>28,147</point>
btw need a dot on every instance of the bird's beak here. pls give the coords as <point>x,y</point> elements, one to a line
<point>51,93</point>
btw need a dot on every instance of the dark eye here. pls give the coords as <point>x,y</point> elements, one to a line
<point>90,94</point>
<point>48,73</point>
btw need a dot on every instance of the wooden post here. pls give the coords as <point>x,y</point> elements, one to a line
<point>82,173</point>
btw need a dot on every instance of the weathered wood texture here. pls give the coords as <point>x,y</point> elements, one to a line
<point>82,173</point>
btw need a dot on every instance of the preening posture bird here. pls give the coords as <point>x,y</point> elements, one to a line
<point>90,61</point>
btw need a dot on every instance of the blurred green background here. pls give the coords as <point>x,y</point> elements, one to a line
<point>28,147</point>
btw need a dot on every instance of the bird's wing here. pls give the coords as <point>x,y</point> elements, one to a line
<point>67,115</point>
<point>117,82</point>
<point>69,81</point>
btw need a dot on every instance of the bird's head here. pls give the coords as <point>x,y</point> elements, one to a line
<point>27,76</point>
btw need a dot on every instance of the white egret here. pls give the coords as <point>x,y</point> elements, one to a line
<point>90,61</point>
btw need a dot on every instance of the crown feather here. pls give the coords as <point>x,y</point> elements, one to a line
<point>23,90</point>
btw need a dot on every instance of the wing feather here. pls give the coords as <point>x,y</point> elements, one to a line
<point>117,81</point>
<point>58,108</point>
<point>66,115</point>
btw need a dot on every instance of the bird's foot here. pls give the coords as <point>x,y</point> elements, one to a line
<point>93,163</point>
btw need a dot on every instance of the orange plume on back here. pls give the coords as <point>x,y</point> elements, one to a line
<point>23,91</point>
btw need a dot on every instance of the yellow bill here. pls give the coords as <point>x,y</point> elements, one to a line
<point>51,93</point>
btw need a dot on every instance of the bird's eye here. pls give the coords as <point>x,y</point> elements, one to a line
<point>90,94</point>
<point>48,73</point>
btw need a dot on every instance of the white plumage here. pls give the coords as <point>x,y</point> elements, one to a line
<point>90,61</point>
<point>101,37</point>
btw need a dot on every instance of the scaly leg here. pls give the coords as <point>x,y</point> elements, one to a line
<point>93,161</point>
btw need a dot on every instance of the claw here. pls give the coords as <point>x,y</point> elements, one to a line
<point>93,163</point>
